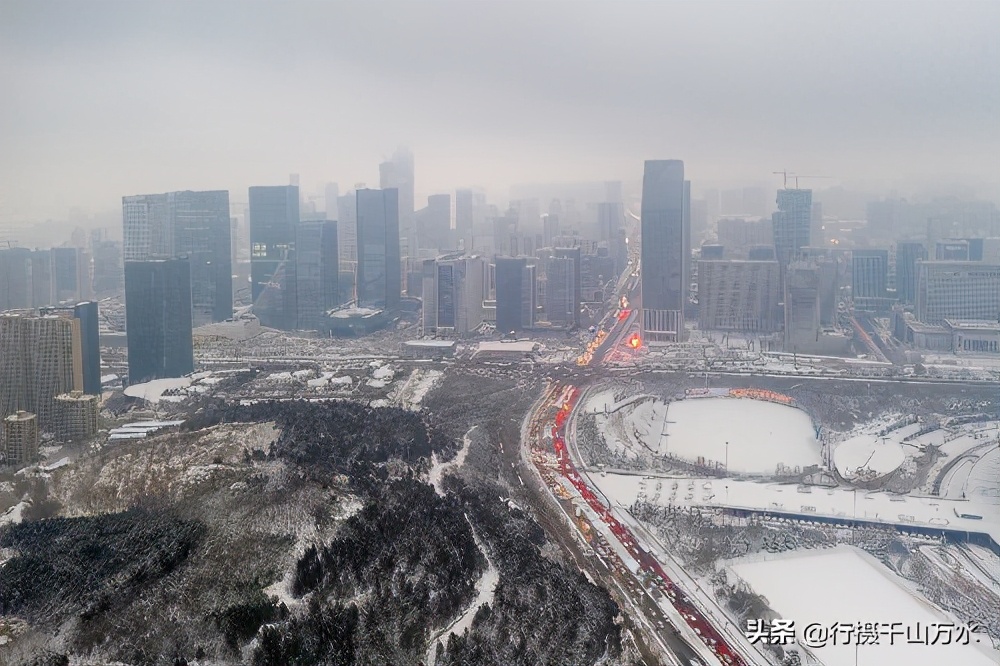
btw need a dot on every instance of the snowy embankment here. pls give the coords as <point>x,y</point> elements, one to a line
<point>411,393</point>
<point>485,590</point>
<point>438,468</point>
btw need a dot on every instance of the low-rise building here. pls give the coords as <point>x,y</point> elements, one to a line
<point>76,415</point>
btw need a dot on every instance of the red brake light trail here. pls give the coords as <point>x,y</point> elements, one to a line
<point>634,341</point>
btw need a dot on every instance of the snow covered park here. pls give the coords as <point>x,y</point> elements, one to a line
<point>846,585</point>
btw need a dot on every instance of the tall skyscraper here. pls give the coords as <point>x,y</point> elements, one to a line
<point>192,224</point>
<point>317,272</point>
<point>907,256</point>
<point>802,306</point>
<point>398,174</point>
<point>40,358</point>
<point>86,314</point>
<point>561,307</point>
<point>869,276</point>
<point>665,249</point>
<point>510,287</point>
<point>379,283</point>
<point>575,255</point>
<point>158,319</point>
<point>15,278</point>
<point>611,227</point>
<point>434,223</point>
<point>454,290</point>
<point>274,216</point>
<point>792,224</point>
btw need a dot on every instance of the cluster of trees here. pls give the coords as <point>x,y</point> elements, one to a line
<point>84,566</point>
<point>542,611</point>
<point>337,436</point>
<point>406,563</point>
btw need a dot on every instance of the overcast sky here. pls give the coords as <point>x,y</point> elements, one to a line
<point>102,99</point>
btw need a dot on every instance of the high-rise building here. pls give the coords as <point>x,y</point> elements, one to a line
<point>465,219</point>
<point>77,414</point>
<point>20,437</point>
<point>792,224</point>
<point>802,308</point>
<point>42,279</point>
<point>665,248</point>
<point>40,358</point>
<point>274,216</point>
<point>513,285</point>
<point>574,253</point>
<point>550,229</point>
<point>15,278</point>
<point>90,344</point>
<point>66,269</point>
<point>379,283</point>
<point>158,321</point>
<point>456,307</point>
<point>108,268</point>
<point>434,223</point>
<point>952,250</point>
<point>317,273</point>
<point>738,234</point>
<point>561,305</point>
<point>908,254</point>
<point>869,277</point>
<point>738,295</point>
<point>347,231</point>
<point>611,227</point>
<point>191,224</point>
<point>957,290</point>
<point>398,174</point>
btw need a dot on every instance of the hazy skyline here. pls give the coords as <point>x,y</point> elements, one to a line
<point>105,99</point>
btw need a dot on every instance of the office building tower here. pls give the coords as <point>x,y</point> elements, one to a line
<point>665,249</point>
<point>331,196</point>
<point>738,296</point>
<point>561,305</point>
<point>434,223</point>
<point>66,273</point>
<point>158,320</point>
<point>191,224</point>
<point>86,314</point>
<point>108,268</point>
<point>15,278</point>
<point>379,282</point>
<point>42,279</point>
<point>398,174</point>
<point>347,231</point>
<point>550,230</point>
<point>274,216</point>
<point>40,358</point>
<point>20,437</point>
<point>505,233</point>
<point>465,219</point>
<point>611,229</point>
<point>687,243</point>
<point>791,224</point>
<point>957,290</point>
<point>317,273</point>
<point>802,308</point>
<point>456,307</point>
<point>574,254</point>
<point>515,294</point>
<point>908,254</point>
<point>428,295</point>
<point>76,415</point>
<point>952,250</point>
<point>869,278</point>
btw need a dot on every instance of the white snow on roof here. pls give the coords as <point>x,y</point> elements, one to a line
<point>518,346</point>
<point>62,462</point>
<point>152,391</point>
<point>844,585</point>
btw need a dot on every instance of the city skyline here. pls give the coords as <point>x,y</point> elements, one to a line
<point>875,105</point>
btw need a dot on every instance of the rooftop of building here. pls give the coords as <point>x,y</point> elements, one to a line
<point>20,416</point>
<point>430,343</point>
<point>76,396</point>
<point>973,324</point>
<point>510,346</point>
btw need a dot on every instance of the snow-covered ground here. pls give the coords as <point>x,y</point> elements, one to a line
<point>761,435</point>
<point>153,391</point>
<point>439,468</point>
<point>869,456</point>
<point>845,585</point>
<point>411,393</point>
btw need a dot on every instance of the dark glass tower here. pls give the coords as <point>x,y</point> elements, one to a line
<point>158,319</point>
<point>274,216</point>
<point>316,272</point>
<point>379,281</point>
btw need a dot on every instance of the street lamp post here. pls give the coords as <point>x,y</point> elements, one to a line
<point>727,458</point>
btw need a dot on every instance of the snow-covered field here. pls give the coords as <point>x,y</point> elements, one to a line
<point>845,585</point>
<point>867,455</point>
<point>761,435</point>
<point>153,391</point>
